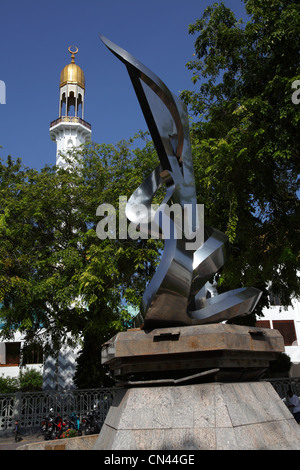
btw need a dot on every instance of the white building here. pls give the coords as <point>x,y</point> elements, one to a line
<point>10,354</point>
<point>70,130</point>
<point>287,322</point>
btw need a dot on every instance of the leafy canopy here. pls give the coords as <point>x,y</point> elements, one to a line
<point>245,141</point>
<point>55,272</point>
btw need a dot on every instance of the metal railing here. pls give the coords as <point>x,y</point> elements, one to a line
<point>30,408</point>
<point>281,385</point>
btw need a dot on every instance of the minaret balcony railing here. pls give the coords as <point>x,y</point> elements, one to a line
<point>72,119</point>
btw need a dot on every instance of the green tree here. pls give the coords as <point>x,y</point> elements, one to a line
<point>58,279</point>
<point>8,384</point>
<point>280,367</point>
<point>245,139</point>
<point>30,380</point>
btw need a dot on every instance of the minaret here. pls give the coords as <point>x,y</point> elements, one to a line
<point>70,130</point>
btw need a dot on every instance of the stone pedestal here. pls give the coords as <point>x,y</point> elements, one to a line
<point>207,416</point>
<point>237,352</point>
<point>171,405</point>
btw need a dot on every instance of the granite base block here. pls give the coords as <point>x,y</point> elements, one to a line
<point>211,416</point>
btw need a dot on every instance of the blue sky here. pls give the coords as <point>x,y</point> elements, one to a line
<point>34,38</point>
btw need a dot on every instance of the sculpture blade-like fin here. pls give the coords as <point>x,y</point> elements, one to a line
<point>237,302</point>
<point>209,258</point>
<point>140,76</point>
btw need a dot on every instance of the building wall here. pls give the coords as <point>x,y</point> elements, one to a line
<point>287,321</point>
<point>58,372</point>
<point>10,366</point>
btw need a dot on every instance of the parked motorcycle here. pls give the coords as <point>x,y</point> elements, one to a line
<point>92,422</point>
<point>74,423</point>
<point>61,426</point>
<point>48,426</point>
<point>53,426</point>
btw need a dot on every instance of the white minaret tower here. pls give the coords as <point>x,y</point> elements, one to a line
<point>70,130</point>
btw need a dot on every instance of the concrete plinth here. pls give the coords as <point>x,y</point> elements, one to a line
<point>211,416</point>
<point>239,352</point>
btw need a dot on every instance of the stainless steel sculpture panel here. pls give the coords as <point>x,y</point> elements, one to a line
<point>177,293</point>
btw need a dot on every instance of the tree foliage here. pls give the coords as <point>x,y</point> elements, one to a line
<point>29,380</point>
<point>55,272</point>
<point>245,141</point>
<point>8,384</point>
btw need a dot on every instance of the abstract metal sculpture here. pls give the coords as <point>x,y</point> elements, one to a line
<point>177,294</point>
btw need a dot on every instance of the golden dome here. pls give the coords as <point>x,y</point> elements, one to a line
<point>72,73</point>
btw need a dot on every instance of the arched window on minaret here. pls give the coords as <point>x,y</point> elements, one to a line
<point>71,104</point>
<point>62,109</point>
<point>79,105</point>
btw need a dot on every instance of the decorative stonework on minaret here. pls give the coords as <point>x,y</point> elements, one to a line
<point>70,130</point>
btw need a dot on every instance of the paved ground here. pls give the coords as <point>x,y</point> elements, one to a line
<point>8,443</point>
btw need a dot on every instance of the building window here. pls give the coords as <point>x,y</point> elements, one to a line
<point>287,329</point>
<point>12,353</point>
<point>32,354</point>
<point>275,300</point>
